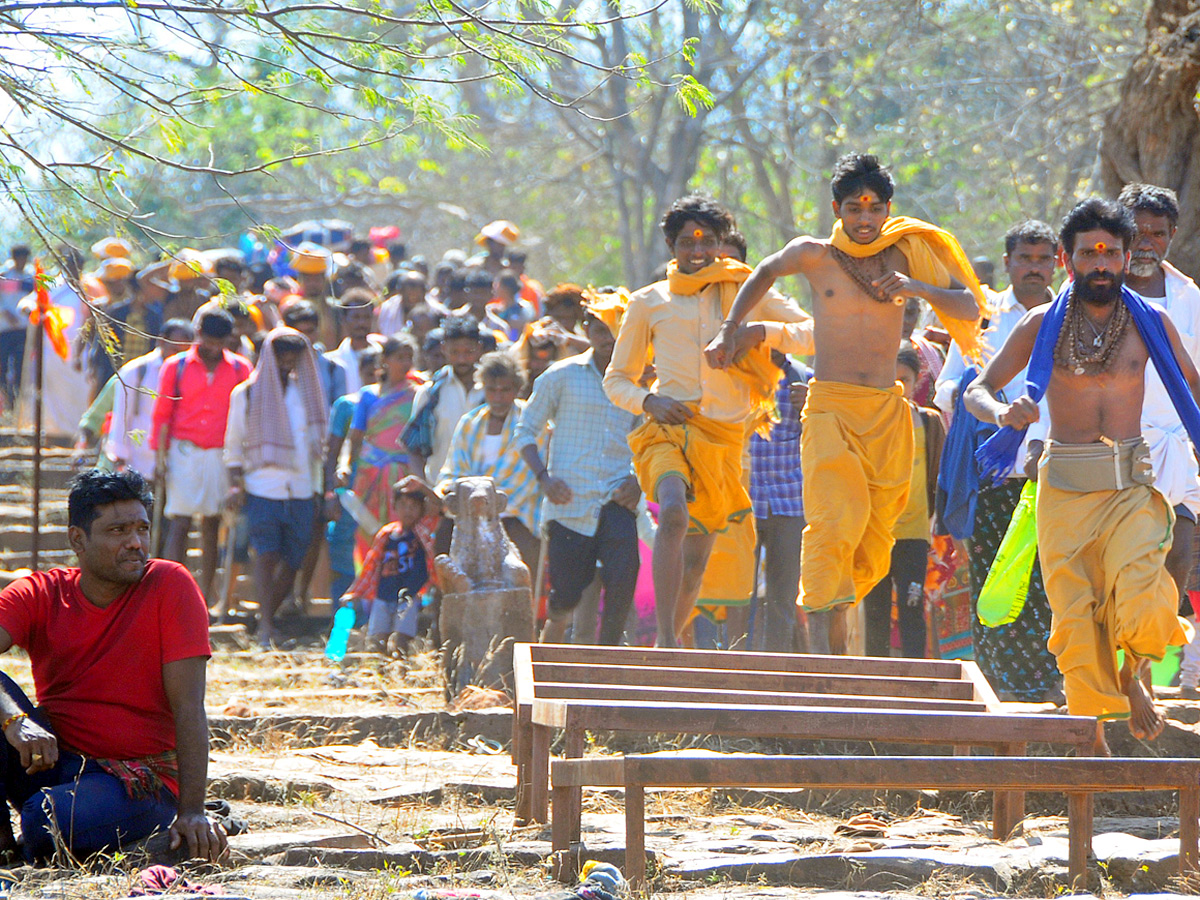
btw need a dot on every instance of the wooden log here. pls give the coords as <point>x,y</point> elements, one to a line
<point>635,836</point>
<point>539,774</point>
<point>750,661</point>
<point>1189,829</point>
<point>738,680</point>
<point>1079,839</point>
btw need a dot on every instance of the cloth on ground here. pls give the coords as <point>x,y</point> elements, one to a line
<point>856,451</point>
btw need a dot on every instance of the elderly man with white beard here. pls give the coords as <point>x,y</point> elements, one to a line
<point>1156,211</point>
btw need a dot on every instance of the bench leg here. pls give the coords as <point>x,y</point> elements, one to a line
<point>521,759</point>
<point>563,858</point>
<point>635,836</point>
<point>1189,829</point>
<point>574,750</point>
<point>1008,807</point>
<point>1079,825</point>
<point>539,773</point>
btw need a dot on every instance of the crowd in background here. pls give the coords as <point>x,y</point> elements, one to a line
<point>309,412</point>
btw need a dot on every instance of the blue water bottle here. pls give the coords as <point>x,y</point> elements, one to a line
<point>339,637</point>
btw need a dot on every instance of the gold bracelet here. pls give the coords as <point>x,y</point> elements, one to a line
<point>11,719</point>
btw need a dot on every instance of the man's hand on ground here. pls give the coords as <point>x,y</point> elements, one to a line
<point>628,493</point>
<point>557,490</point>
<point>666,410</point>
<point>205,838</point>
<point>38,748</point>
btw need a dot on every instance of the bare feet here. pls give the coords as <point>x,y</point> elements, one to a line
<point>1100,747</point>
<point>1145,722</point>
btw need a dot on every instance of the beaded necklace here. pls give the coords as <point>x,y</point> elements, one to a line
<point>1093,353</point>
<point>855,269</point>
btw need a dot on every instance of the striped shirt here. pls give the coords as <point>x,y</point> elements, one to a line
<point>589,449</point>
<point>776,484</point>
<point>466,457</point>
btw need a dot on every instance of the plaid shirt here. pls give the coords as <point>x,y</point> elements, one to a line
<point>466,457</point>
<point>589,447</point>
<point>776,484</point>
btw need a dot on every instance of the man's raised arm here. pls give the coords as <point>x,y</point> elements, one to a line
<point>795,258</point>
<point>981,400</point>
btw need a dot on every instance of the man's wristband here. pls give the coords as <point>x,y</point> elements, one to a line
<point>13,718</point>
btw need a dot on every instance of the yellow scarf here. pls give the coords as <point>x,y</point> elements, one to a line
<point>608,308</point>
<point>754,368</point>
<point>934,256</point>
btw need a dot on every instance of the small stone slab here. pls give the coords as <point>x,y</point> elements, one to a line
<point>258,845</point>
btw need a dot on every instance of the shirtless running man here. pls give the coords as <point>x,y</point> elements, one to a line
<point>856,448</point>
<point>1103,528</point>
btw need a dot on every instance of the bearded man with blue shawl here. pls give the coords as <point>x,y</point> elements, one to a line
<point>1103,528</point>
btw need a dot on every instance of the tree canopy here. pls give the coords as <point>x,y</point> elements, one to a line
<point>193,122</point>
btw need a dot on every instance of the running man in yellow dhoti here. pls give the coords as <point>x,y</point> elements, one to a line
<point>857,442</point>
<point>688,453</point>
<point>1103,528</point>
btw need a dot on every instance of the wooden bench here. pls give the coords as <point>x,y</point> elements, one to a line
<point>642,690</point>
<point>1079,779</point>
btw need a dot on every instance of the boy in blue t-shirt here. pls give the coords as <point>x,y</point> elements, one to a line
<point>397,567</point>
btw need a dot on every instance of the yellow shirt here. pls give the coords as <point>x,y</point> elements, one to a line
<point>913,523</point>
<point>679,327</point>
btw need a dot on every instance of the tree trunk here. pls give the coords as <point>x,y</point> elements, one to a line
<point>1153,134</point>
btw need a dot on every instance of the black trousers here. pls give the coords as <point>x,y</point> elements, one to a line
<point>907,576</point>
<point>572,563</point>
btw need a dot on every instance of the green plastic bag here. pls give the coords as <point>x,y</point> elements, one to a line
<point>1007,585</point>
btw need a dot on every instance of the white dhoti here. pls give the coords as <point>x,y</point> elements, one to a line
<point>196,480</point>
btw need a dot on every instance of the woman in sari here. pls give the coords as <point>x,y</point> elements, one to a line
<point>377,460</point>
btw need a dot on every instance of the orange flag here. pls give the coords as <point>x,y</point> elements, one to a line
<point>55,326</point>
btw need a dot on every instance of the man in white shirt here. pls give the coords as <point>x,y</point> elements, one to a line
<point>1013,657</point>
<point>357,315</point>
<point>274,450</point>
<point>128,441</point>
<point>1156,211</point>
<point>439,404</point>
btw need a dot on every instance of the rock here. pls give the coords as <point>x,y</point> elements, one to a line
<point>879,871</point>
<point>229,637</point>
<point>409,857</point>
<point>237,786</point>
<point>1137,864</point>
<point>258,845</point>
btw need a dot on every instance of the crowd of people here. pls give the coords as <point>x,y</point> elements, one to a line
<point>324,406</point>
<point>320,408</point>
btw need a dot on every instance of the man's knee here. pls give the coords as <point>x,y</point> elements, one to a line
<point>673,518</point>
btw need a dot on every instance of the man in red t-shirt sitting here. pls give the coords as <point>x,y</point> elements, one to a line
<point>118,745</point>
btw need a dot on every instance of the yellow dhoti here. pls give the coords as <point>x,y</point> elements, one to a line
<point>1103,537</point>
<point>707,455</point>
<point>857,450</point>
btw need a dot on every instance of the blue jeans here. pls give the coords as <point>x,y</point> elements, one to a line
<point>77,800</point>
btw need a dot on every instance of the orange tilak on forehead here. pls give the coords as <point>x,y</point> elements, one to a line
<point>865,198</point>
<point>1101,246</point>
<point>697,234</point>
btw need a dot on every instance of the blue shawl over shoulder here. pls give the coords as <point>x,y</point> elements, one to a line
<point>998,454</point>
